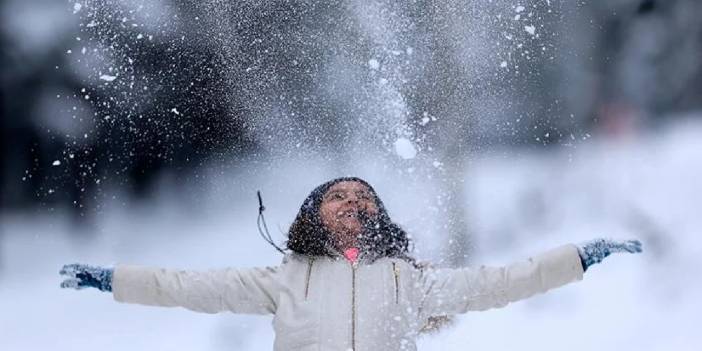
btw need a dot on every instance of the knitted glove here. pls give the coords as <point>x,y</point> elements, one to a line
<point>81,276</point>
<point>594,251</point>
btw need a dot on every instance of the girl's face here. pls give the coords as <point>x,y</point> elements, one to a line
<point>339,211</point>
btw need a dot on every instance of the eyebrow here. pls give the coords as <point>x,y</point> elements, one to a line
<point>365,192</point>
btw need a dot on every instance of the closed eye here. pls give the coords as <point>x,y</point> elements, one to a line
<point>364,196</point>
<point>336,196</point>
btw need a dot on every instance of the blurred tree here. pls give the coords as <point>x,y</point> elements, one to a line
<point>642,61</point>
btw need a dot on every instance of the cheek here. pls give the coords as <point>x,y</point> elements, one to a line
<point>327,214</point>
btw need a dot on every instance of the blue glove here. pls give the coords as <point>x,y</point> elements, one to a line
<point>594,251</point>
<point>81,276</point>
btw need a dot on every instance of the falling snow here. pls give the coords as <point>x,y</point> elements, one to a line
<point>393,85</point>
<point>107,78</point>
<point>374,64</point>
<point>405,149</point>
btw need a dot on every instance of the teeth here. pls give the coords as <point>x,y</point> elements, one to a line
<point>348,214</point>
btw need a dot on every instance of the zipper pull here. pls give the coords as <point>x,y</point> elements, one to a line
<point>396,273</point>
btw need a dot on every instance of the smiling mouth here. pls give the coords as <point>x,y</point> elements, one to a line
<point>348,214</point>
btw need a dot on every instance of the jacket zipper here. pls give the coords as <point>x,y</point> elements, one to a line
<point>309,274</point>
<point>353,306</point>
<point>396,273</point>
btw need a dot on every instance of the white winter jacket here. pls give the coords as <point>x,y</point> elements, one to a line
<point>326,303</point>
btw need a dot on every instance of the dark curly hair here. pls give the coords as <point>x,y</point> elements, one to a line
<point>381,237</point>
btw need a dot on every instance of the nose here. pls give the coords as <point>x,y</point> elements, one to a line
<point>353,199</point>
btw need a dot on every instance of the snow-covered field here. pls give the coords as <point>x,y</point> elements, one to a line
<point>519,203</point>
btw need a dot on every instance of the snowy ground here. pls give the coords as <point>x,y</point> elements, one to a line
<point>647,187</point>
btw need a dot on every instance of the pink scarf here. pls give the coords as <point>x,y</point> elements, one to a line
<point>351,254</point>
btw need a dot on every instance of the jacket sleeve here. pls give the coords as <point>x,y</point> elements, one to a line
<point>450,291</point>
<point>251,290</point>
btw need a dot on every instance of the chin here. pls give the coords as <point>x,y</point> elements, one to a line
<point>348,233</point>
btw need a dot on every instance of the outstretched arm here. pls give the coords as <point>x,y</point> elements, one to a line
<point>449,291</point>
<point>251,290</point>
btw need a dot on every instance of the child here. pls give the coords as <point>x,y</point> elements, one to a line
<point>349,281</point>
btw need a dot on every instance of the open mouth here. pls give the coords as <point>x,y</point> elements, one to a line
<point>348,214</point>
